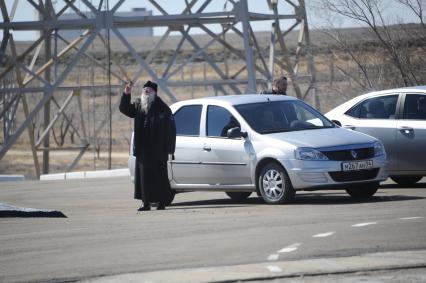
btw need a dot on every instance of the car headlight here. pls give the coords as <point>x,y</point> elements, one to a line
<point>306,153</point>
<point>379,149</point>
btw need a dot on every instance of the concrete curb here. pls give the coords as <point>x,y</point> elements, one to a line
<point>278,269</point>
<point>86,175</point>
<point>11,178</point>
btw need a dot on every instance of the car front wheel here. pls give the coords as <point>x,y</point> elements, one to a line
<point>406,180</point>
<point>363,191</point>
<point>274,184</point>
<point>239,196</point>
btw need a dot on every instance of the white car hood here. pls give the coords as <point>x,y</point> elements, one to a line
<point>323,138</point>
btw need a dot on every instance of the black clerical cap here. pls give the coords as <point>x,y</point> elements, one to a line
<point>151,85</point>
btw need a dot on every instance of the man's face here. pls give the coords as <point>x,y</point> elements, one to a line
<point>147,98</point>
<point>148,91</point>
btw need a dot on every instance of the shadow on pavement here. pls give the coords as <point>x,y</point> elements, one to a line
<point>7,210</point>
<point>334,198</point>
<point>396,186</point>
<point>343,198</point>
<point>220,203</point>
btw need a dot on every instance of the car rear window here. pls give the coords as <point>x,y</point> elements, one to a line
<point>187,120</point>
<point>415,107</point>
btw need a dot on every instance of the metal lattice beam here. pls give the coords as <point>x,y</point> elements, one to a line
<point>255,64</point>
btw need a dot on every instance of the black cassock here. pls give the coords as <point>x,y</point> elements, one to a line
<point>154,139</point>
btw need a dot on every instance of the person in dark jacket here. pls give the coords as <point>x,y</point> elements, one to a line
<point>154,140</point>
<point>279,86</point>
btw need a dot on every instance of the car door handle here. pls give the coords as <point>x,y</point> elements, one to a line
<point>352,127</point>
<point>207,148</point>
<point>406,130</point>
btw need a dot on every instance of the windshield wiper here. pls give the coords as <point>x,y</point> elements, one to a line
<point>312,128</point>
<point>271,131</point>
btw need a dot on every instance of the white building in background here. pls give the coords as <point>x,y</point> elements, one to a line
<point>126,32</point>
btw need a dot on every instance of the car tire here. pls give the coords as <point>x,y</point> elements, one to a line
<point>170,197</point>
<point>274,184</point>
<point>363,191</point>
<point>239,196</point>
<point>406,180</point>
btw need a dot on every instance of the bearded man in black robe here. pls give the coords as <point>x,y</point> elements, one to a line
<point>154,140</point>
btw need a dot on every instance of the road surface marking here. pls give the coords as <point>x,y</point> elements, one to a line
<point>290,248</point>
<point>323,235</point>
<point>364,224</point>
<point>274,268</point>
<point>273,257</point>
<point>409,218</point>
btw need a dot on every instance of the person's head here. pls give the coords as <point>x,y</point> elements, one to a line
<point>149,92</point>
<point>279,85</point>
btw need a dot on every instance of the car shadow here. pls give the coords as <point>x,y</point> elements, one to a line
<point>334,198</point>
<point>343,198</point>
<point>396,186</point>
<point>221,203</point>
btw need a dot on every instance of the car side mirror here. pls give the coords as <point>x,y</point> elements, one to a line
<point>235,133</point>
<point>337,122</point>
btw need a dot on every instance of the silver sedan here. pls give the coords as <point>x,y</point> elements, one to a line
<point>397,117</point>
<point>269,144</point>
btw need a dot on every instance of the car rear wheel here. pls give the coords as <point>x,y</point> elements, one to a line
<point>274,184</point>
<point>238,195</point>
<point>406,180</point>
<point>363,191</point>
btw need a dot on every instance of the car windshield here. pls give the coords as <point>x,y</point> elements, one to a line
<point>282,116</point>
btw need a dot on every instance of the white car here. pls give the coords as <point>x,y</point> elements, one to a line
<point>397,117</point>
<point>270,144</point>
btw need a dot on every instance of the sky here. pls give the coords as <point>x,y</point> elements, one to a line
<point>25,12</point>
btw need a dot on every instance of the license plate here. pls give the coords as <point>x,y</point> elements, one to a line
<point>357,165</point>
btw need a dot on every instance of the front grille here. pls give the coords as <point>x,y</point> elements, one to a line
<point>342,155</point>
<point>361,175</point>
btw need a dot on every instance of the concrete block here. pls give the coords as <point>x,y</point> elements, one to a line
<point>6,178</point>
<point>50,177</point>
<point>75,175</point>
<point>107,173</point>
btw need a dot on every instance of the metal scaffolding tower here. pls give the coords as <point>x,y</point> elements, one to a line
<point>48,78</point>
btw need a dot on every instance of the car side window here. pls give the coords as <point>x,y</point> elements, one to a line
<point>187,120</point>
<point>219,121</point>
<point>415,107</point>
<point>382,107</point>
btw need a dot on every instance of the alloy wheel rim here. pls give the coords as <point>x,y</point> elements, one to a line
<point>273,184</point>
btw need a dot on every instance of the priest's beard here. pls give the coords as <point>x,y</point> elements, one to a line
<point>146,101</point>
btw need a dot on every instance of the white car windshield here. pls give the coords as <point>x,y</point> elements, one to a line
<point>282,116</point>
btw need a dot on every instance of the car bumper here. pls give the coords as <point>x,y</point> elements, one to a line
<point>322,174</point>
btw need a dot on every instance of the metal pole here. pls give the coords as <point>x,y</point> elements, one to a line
<point>109,90</point>
<point>311,65</point>
<point>46,116</point>
<point>271,56</point>
<point>251,75</point>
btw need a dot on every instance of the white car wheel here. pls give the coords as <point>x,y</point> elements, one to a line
<point>274,184</point>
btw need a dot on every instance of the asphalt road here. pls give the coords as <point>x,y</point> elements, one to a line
<point>103,235</point>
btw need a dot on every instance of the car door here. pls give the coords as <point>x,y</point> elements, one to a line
<point>186,169</point>
<point>376,116</point>
<point>225,159</point>
<point>411,134</point>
